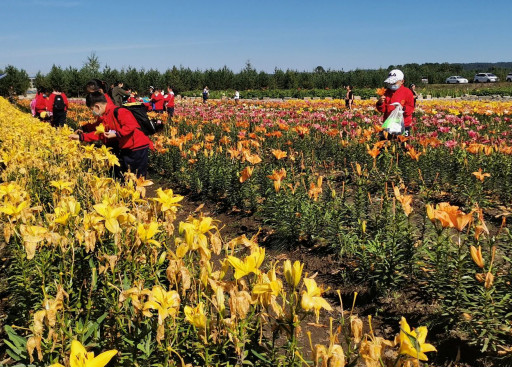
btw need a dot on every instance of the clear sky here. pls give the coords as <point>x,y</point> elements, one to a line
<point>35,34</point>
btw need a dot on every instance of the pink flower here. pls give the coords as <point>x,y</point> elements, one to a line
<point>450,144</point>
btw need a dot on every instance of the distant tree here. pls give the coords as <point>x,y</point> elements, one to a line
<point>56,78</point>
<point>41,81</point>
<point>92,65</point>
<point>75,86</point>
<point>18,79</point>
<point>319,69</point>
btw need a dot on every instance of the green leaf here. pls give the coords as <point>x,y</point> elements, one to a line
<point>13,355</point>
<point>15,338</point>
<point>260,356</point>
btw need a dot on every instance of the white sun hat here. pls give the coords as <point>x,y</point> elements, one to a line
<point>394,76</point>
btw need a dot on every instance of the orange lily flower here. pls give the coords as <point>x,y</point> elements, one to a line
<point>414,154</point>
<point>374,152</point>
<point>279,154</point>
<point>246,173</point>
<point>315,190</point>
<point>481,176</point>
<point>405,200</point>
<point>277,177</point>
<point>380,91</point>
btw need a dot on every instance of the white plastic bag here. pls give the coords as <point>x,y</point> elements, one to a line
<point>394,124</point>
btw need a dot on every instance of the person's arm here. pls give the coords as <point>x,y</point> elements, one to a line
<point>408,105</point>
<point>49,105</point>
<point>123,92</point>
<point>66,102</point>
<point>127,122</point>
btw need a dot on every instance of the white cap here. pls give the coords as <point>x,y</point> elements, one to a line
<point>394,76</point>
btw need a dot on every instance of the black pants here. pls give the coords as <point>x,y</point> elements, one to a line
<point>135,160</point>
<point>59,118</point>
<point>170,111</point>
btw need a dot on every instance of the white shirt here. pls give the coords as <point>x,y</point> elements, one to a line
<point>237,95</point>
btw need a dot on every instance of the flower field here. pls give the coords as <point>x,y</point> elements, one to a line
<point>108,267</point>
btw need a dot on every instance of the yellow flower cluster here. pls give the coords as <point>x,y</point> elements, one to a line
<point>56,198</point>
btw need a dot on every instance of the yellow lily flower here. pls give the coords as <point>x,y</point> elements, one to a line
<point>32,235</point>
<point>249,265</point>
<point>92,221</point>
<point>63,185</point>
<point>196,316</point>
<point>166,303</point>
<point>110,216</point>
<point>267,289</point>
<point>412,343</point>
<point>81,358</point>
<point>14,211</point>
<point>61,216</point>
<point>293,273</point>
<point>147,231</point>
<point>167,200</point>
<point>195,235</point>
<point>311,298</point>
<point>100,129</point>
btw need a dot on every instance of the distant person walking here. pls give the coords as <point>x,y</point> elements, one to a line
<point>158,101</point>
<point>206,94</point>
<point>118,93</point>
<point>237,96</point>
<point>12,95</point>
<point>349,97</point>
<point>412,87</point>
<point>41,104</point>
<point>169,100</point>
<point>58,106</point>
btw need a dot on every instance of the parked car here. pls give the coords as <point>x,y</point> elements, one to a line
<point>456,80</point>
<point>509,77</point>
<point>424,80</point>
<point>485,78</point>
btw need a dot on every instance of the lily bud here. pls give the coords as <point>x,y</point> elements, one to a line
<point>431,213</point>
<point>489,280</point>
<point>293,273</point>
<point>356,326</point>
<point>476,255</point>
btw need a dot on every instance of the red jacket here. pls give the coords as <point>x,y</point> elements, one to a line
<point>403,96</point>
<point>40,103</point>
<point>129,134</point>
<point>109,100</point>
<point>92,127</point>
<point>52,100</point>
<point>131,99</point>
<point>158,100</point>
<point>170,100</point>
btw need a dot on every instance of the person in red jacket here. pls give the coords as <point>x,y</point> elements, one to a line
<point>158,99</point>
<point>96,85</point>
<point>133,98</point>
<point>169,102</point>
<point>41,103</point>
<point>133,143</point>
<point>58,106</point>
<point>397,93</point>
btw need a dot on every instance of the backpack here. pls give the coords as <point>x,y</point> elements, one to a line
<point>58,103</point>
<point>138,110</point>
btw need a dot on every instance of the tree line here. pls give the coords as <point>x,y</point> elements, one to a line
<point>72,80</point>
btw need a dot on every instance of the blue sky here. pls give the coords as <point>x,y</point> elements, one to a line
<point>35,34</point>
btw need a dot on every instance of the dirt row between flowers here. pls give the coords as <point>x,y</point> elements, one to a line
<point>320,259</point>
